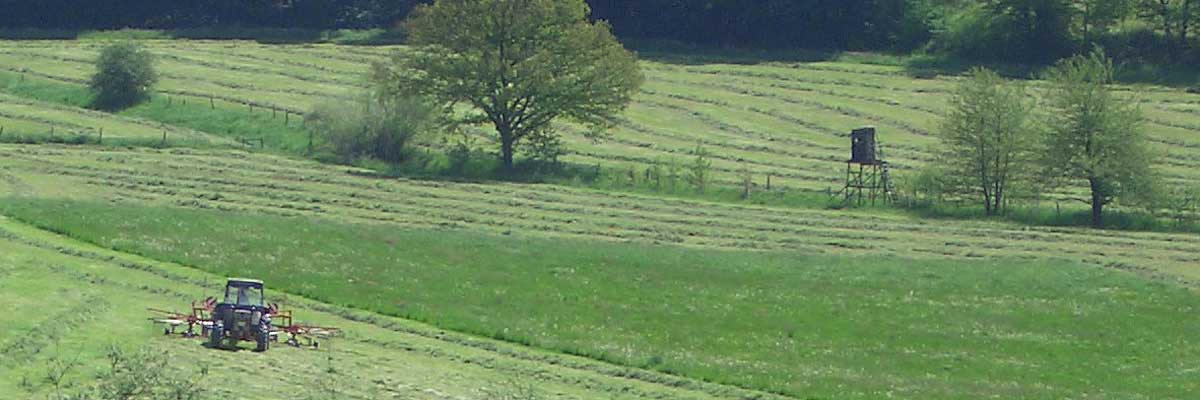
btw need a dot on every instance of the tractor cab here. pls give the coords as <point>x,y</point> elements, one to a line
<point>245,293</point>
<point>242,316</point>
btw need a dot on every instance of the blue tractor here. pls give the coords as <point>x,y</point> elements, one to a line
<point>242,316</point>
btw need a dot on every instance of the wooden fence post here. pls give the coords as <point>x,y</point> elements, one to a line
<point>274,112</point>
<point>101,141</point>
<point>164,139</point>
<point>286,116</point>
<point>1,130</point>
<point>310,142</point>
<point>768,181</point>
<point>212,105</point>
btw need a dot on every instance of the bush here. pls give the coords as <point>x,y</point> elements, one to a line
<point>699,171</point>
<point>124,76</point>
<point>144,375</point>
<point>374,128</point>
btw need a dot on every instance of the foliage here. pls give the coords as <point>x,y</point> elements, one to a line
<point>928,185</point>
<point>309,14</point>
<point>1009,31</point>
<point>1181,204</point>
<point>1176,19</point>
<point>124,76</point>
<point>1097,17</point>
<point>375,127</point>
<point>986,138</point>
<point>545,150</point>
<point>143,375</point>
<point>521,64</point>
<point>1094,135</point>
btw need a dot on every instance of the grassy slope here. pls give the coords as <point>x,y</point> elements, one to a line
<point>66,300</point>
<point>827,327</point>
<point>787,119</point>
<point>243,181</point>
<point>191,122</point>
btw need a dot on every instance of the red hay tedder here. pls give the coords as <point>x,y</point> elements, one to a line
<point>242,316</point>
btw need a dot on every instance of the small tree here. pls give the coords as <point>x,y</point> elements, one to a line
<point>519,65</point>
<point>1182,204</point>
<point>986,138</point>
<point>699,171</point>
<point>124,76</point>
<point>1094,135</point>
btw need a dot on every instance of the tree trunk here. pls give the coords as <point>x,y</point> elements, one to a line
<point>506,152</point>
<point>1097,203</point>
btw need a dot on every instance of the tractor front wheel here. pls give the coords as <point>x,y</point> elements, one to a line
<point>216,335</point>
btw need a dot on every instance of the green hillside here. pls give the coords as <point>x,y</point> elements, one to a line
<point>785,119</point>
<point>456,289</point>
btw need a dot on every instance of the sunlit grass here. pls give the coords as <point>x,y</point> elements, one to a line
<point>806,325</point>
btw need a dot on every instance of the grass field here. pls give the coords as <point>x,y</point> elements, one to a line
<point>1010,289</point>
<point>788,120</point>
<point>457,289</point>
<point>276,185</point>
<point>66,300</point>
<point>800,325</point>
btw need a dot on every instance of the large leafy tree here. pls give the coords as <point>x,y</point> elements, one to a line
<point>1094,134</point>
<point>519,65</point>
<point>987,138</point>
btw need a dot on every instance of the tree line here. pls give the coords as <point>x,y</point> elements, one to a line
<point>995,147</point>
<point>187,14</point>
<point>1012,31</point>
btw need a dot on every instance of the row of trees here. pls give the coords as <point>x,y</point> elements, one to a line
<point>995,145</point>
<point>1025,31</point>
<point>182,14</point>
<point>1043,31</point>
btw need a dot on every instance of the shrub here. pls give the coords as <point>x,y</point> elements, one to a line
<point>124,76</point>
<point>144,375</point>
<point>374,128</point>
<point>544,149</point>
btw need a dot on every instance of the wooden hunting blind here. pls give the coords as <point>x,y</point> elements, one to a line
<point>862,146</point>
<point>867,174</point>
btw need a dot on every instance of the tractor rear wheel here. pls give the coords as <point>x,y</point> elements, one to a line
<point>264,341</point>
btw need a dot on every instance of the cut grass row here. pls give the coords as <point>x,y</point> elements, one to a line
<point>239,181</point>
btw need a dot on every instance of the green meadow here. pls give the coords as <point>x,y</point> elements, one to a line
<point>584,288</point>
